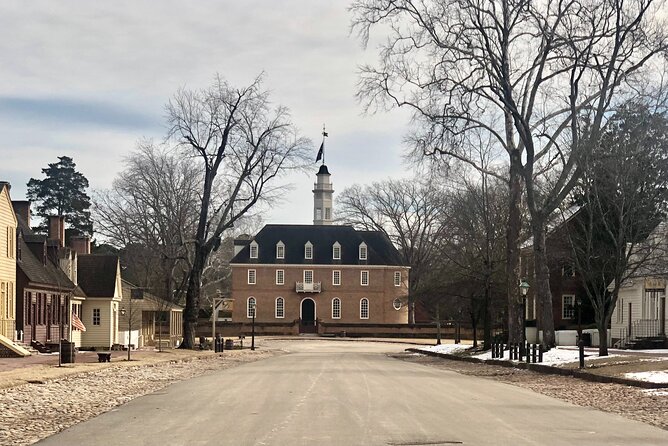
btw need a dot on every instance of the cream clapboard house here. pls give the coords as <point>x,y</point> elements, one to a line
<point>99,276</point>
<point>640,317</point>
<point>8,225</point>
<point>152,319</point>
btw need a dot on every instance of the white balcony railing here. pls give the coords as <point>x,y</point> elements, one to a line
<point>304,287</point>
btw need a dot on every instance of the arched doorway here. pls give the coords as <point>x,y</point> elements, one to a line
<point>307,314</point>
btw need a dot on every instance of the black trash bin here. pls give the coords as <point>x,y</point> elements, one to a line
<point>586,338</point>
<point>69,353</point>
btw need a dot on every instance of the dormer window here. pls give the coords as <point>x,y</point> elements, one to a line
<point>308,251</point>
<point>280,250</point>
<point>336,251</point>
<point>363,251</point>
<point>253,250</point>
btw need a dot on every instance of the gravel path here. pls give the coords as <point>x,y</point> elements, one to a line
<point>34,411</point>
<point>649,407</point>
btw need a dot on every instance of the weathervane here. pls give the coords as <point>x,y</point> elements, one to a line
<point>321,152</point>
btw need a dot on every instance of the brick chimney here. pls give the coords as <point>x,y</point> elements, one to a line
<point>57,229</point>
<point>80,244</point>
<point>22,209</point>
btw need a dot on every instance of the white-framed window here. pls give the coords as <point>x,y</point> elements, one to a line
<point>397,278</point>
<point>363,251</point>
<point>651,303</point>
<point>280,250</point>
<point>336,277</point>
<point>328,213</point>
<point>364,278</point>
<point>364,308</point>
<point>280,277</point>
<point>568,306</point>
<point>11,240</point>
<point>397,304</point>
<point>96,316</point>
<point>254,250</point>
<point>318,213</point>
<point>308,276</point>
<point>251,307</point>
<point>308,251</point>
<point>252,277</point>
<point>280,308</point>
<point>336,308</point>
<point>620,311</point>
<point>568,271</point>
<point>336,251</point>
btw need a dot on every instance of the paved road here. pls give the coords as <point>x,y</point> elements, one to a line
<point>351,393</point>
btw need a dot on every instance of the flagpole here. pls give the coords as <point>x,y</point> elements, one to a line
<point>324,134</point>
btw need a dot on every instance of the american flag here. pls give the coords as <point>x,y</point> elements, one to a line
<point>76,322</point>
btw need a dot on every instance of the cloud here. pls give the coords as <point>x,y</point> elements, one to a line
<point>73,112</point>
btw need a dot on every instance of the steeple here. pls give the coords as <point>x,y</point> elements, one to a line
<point>322,197</point>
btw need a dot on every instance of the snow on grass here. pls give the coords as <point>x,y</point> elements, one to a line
<point>556,356</point>
<point>445,348</point>
<point>656,392</point>
<point>655,376</point>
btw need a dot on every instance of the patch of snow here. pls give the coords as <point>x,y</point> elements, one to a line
<point>445,348</point>
<point>656,392</point>
<point>654,376</point>
<point>556,356</point>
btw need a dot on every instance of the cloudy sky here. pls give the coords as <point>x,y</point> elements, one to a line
<point>89,79</point>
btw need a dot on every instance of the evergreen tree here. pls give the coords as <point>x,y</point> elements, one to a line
<point>62,192</point>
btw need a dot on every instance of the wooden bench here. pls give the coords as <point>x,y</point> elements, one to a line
<point>103,356</point>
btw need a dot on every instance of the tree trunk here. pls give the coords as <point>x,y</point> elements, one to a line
<point>542,281</point>
<point>474,326</point>
<point>603,340</point>
<point>513,249</point>
<point>487,319</point>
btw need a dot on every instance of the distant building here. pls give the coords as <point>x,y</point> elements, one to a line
<point>306,278</point>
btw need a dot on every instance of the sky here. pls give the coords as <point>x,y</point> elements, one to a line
<point>90,79</point>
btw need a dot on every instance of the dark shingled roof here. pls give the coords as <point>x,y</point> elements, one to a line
<point>294,237</point>
<point>96,274</point>
<point>39,273</point>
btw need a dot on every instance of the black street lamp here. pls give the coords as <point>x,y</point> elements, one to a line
<point>524,288</point>
<point>253,307</point>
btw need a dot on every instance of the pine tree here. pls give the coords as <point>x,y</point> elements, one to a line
<point>62,192</point>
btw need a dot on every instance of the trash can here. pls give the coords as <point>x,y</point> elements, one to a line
<point>229,344</point>
<point>586,338</point>
<point>69,353</point>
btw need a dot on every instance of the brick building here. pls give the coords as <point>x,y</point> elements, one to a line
<point>309,277</point>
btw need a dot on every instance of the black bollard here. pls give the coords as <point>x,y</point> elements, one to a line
<point>540,352</point>
<point>528,347</point>
<point>533,353</point>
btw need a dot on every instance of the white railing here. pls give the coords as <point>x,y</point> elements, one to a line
<point>304,287</point>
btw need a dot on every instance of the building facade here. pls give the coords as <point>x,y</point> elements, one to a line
<point>311,276</point>
<point>8,224</point>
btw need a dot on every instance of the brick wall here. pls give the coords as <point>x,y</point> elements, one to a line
<point>381,293</point>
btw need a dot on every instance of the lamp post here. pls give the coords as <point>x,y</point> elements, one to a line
<point>578,302</point>
<point>129,314</point>
<point>524,288</point>
<point>253,307</point>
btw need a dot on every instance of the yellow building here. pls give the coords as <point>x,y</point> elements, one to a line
<point>7,264</point>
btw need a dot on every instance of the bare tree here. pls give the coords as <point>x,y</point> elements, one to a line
<point>242,146</point>
<point>150,214</point>
<point>474,247</point>
<point>623,193</point>
<point>407,211</point>
<point>528,74</point>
